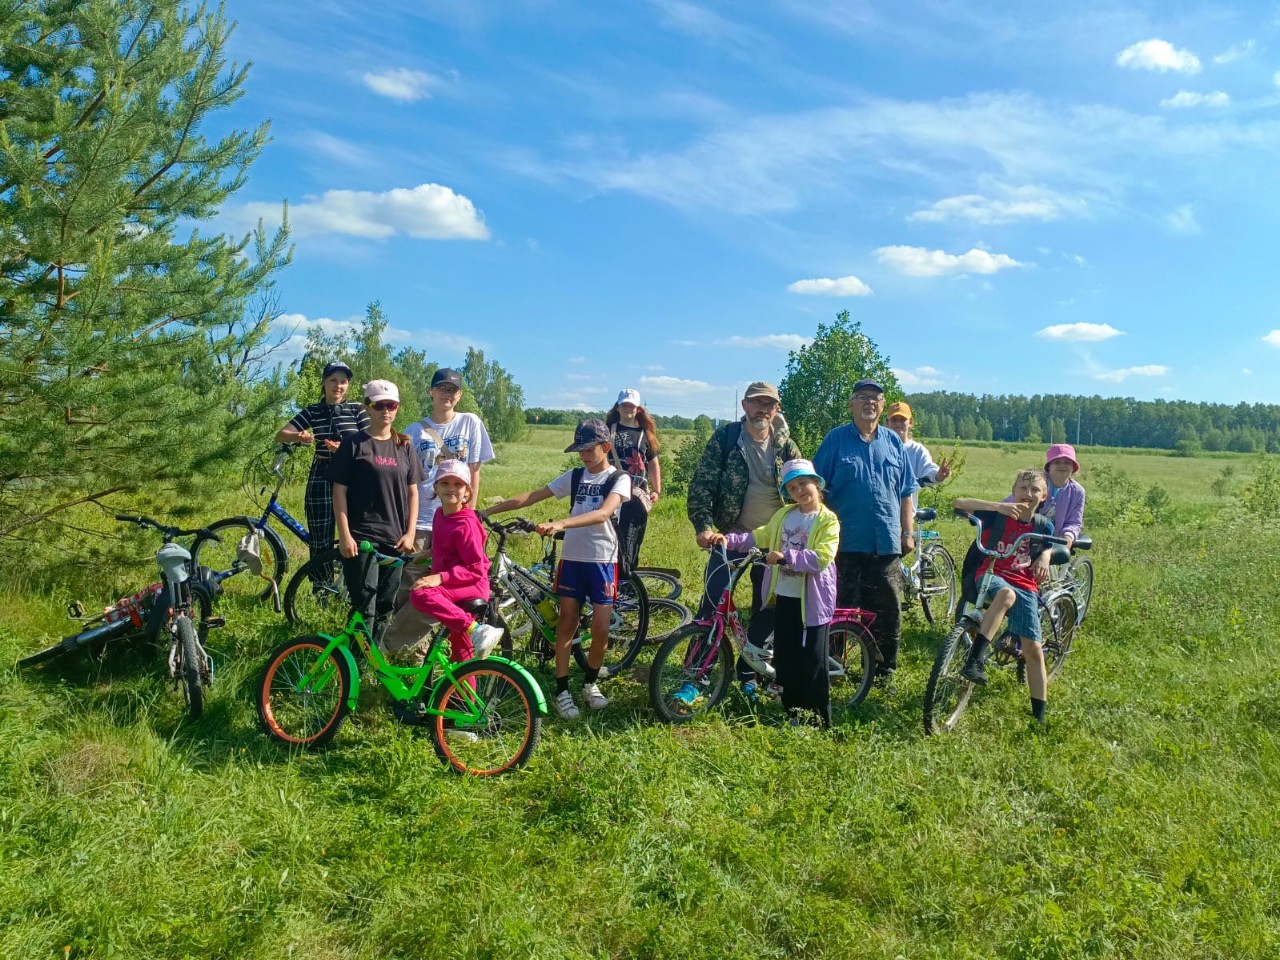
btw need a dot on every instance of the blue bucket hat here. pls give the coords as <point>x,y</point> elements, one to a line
<point>797,468</point>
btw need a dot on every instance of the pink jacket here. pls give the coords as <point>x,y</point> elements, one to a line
<point>457,550</point>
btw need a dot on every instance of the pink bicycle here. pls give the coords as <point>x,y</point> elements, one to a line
<point>694,667</point>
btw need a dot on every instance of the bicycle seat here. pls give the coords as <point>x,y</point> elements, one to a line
<point>475,608</point>
<point>1059,554</point>
<point>926,514</point>
<point>1083,542</point>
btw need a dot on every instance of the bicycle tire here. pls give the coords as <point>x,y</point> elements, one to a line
<point>317,592</point>
<point>506,733</point>
<point>190,666</point>
<point>627,630</point>
<point>938,587</point>
<point>690,656</point>
<point>310,718</point>
<point>221,555</point>
<point>1062,615</point>
<point>947,694</point>
<point>75,642</point>
<point>850,686</point>
<point>658,583</point>
<point>1082,570</point>
<point>666,616</point>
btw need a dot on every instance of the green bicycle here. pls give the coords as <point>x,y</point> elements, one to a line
<point>484,716</point>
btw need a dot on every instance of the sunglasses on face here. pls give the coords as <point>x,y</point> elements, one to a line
<point>386,405</point>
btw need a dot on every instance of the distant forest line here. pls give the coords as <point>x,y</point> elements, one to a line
<point>1053,418</point>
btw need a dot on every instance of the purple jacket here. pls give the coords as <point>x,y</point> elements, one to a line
<point>1066,509</point>
<point>818,605</point>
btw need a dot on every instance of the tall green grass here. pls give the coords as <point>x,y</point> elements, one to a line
<point>1139,824</point>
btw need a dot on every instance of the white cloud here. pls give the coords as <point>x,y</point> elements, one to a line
<point>1246,371</point>
<point>1183,220</point>
<point>786,341</point>
<point>1023,203</point>
<point>921,378</point>
<point>428,211</point>
<point>400,83</point>
<point>1119,376</point>
<point>919,262</point>
<point>1080,332</point>
<point>826,287</point>
<point>293,328</point>
<point>665,386</point>
<point>684,343</point>
<point>1235,52</point>
<point>1158,55</point>
<point>1185,99</point>
<point>656,367</point>
<point>1272,338</point>
<point>1275,78</point>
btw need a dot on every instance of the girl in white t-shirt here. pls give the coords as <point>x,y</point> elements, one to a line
<point>589,558</point>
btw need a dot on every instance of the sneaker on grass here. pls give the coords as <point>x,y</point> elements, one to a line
<point>565,706</point>
<point>594,699</point>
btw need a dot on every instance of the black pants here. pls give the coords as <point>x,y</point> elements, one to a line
<point>871,581</point>
<point>761,624</point>
<point>800,658</point>
<point>372,588</point>
<point>632,521</point>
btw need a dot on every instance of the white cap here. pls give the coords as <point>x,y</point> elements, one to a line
<point>629,396</point>
<point>376,390</point>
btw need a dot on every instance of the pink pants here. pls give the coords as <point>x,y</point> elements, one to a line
<point>441,604</point>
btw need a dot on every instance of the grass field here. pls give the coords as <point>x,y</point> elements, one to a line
<point>1140,823</point>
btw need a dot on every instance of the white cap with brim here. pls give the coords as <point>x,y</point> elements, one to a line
<point>376,390</point>
<point>629,396</point>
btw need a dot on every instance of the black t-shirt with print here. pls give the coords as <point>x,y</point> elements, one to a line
<point>377,475</point>
<point>631,447</point>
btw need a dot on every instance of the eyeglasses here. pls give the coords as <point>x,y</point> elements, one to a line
<point>869,397</point>
<point>763,403</point>
<point>386,405</point>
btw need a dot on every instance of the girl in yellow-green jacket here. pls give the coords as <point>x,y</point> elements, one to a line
<point>801,540</point>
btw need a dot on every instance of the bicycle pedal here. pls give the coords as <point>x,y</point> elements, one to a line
<point>216,622</point>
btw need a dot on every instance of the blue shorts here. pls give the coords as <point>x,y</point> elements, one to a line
<point>1023,620</point>
<point>584,580</point>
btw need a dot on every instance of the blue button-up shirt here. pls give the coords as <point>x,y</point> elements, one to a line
<point>866,483</point>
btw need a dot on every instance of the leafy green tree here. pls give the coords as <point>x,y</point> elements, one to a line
<point>499,397</point>
<point>678,473</point>
<point>820,378</point>
<point>125,349</point>
<point>1032,433</point>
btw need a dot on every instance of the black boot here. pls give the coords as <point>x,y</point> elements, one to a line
<point>973,666</point>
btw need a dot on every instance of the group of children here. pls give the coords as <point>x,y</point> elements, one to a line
<point>375,478</point>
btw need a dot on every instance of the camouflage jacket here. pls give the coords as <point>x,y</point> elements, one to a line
<point>716,496</point>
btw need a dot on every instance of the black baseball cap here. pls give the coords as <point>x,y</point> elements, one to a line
<point>335,367</point>
<point>446,375</point>
<point>868,384</point>
<point>589,433</point>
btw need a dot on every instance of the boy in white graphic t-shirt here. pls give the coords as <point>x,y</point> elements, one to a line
<point>589,559</point>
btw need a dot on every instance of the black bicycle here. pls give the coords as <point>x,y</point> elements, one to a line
<point>177,610</point>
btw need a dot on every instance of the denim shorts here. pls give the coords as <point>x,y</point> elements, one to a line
<point>1023,620</point>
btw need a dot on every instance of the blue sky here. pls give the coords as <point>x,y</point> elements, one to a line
<point>670,195</point>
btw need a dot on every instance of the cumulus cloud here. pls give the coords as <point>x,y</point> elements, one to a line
<point>400,83</point>
<point>1119,376</point>
<point>1272,338</point>
<point>921,378</point>
<point>1024,203</point>
<point>1275,78</point>
<point>665,386</point>
<point>428,211</point>
<point>919,262</point>
<point>1079,332</point>
<point>787,341</point>
<point>827,287</point>
<point>292,329</point>
<point>1158,55</point>
<point>1183,220</point>
<point>1184,99</point>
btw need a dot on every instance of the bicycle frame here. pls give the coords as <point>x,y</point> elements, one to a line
<point>274,509</point>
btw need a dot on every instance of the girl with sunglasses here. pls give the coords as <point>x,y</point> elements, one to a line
<point>375,478</point>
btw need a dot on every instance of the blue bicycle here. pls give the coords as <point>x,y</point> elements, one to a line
<point>219,545</point>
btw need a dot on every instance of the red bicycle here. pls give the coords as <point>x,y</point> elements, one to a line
<point>694,667</point>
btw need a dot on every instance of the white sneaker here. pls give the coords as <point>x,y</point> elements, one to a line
<point>565,706</point>
<point>484,638</point>
<point>755,657</point>
<point>593,698</point>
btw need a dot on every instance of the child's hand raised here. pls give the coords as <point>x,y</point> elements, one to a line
<point>1017,510</point>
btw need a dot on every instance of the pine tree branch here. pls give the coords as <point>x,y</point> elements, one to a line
<point>38,517</point>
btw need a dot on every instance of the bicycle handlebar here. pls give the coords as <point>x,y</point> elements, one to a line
<point>511,527</point>
<point>385,559</point>
<point>1013,547</point>
<point>167,530</point>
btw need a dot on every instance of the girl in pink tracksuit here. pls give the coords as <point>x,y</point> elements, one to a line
<point>460,567</point>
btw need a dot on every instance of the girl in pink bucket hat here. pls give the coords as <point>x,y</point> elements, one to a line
<point>1065,503</point>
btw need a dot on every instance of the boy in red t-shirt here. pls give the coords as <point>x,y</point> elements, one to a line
<point>1014,583</point>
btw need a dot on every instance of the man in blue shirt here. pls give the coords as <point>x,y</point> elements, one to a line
<point>869,486</point>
